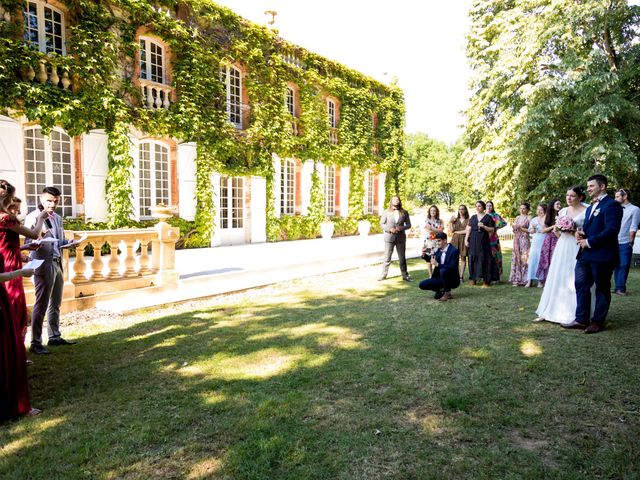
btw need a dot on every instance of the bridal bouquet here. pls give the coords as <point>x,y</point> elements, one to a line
<point>565,224</point>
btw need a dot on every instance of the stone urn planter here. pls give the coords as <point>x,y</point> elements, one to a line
<point>326,230</point>
<point>363,227</point>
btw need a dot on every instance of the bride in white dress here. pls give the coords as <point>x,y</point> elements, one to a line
<point>558,301</point>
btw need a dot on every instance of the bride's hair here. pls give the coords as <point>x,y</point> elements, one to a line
<point>578,190</point>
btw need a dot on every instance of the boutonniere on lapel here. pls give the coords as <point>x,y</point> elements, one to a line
<point>596,212</point>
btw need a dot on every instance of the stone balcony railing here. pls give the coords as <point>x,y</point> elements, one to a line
<point>138,258</point>
<point>155,95</point>
<point>45,71</point>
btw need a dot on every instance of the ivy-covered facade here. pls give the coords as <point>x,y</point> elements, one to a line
<point>127,104</point>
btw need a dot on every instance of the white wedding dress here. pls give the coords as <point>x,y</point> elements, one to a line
<point>558,301</point>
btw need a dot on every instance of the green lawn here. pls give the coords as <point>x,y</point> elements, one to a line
<point>337,377</point>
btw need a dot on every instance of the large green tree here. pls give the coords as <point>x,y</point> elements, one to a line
<point>436,172</point>
<point>555,95</point>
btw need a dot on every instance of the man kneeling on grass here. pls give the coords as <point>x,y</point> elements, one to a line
<point>445,275</point>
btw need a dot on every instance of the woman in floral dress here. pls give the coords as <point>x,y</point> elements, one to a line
<point>432,225</point>
<point>550,240</point>
<point>458,228</point>
<point>494,240</point>
<point>521,246</point>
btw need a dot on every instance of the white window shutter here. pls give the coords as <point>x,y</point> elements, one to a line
<point>95,167</point>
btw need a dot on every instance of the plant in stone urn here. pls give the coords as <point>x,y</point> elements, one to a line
<point>363,227</point>
<point>326,228</point>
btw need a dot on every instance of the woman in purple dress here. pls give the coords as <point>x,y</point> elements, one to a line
<point>550,240</point>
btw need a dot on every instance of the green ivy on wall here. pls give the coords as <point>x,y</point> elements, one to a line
<point>101,52</point>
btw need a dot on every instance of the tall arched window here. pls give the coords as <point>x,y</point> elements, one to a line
<point>153,175</point>
<point>330,190</point>
<point>287,187</point>
<point>44,27</point>
<point>290,102</point>
<point>368,192</point>
<point>48,162</point>
<point>231,77</point>
<point>152,60</point>
<point>331,110</point>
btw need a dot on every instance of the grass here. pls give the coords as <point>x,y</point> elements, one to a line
<point>337,377</point>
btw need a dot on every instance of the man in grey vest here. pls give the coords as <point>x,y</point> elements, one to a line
<point>48,278</point>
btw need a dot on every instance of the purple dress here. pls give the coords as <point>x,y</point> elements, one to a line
<point>548,246</point>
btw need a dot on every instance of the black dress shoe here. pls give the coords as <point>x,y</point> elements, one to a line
<point>39,350</point>
<point>573,325</point>
<point>61,341</point>
<point>438,295</point>
<point>407,279</point>
<point>593,328</point>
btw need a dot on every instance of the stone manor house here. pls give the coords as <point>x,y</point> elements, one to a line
<point>164,169</point>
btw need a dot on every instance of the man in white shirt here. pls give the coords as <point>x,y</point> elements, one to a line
<point>626,237</point>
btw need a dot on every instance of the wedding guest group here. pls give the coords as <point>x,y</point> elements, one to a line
<point>445,274</point>
<point>626,239</point>
<point>394,222</point>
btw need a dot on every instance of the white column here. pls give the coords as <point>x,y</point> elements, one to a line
<point>187,153</point>
<point>95,167</point>
<point>12,155</point>
<point>258,210</point>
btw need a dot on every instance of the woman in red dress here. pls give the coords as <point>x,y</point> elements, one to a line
<point>10,231</point>
<point>14,387</point>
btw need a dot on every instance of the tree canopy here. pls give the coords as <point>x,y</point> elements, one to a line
<point>555,95</point>
<point>436,172</point>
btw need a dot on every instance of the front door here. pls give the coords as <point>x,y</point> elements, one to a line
<point>232,211</point>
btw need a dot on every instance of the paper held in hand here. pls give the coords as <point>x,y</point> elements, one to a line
<point>47,240</point>
<point>76,241</point>
<point>34,263</point>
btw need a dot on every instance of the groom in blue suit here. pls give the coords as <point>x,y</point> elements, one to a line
<point>597,257</point>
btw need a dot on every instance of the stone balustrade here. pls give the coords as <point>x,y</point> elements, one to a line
<point>155,95</point>
<point>333,136</point>
<point>295,126</point>
<point>47,72</point>
<point>137,258</point>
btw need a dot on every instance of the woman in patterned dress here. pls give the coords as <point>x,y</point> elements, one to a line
<point>537,237</point>
<point>457,229</point>
<point>432,225</point>
<point>496,249</point>
<point>521,246</point>
<point>550,240</point>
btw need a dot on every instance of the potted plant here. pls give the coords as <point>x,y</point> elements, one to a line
<point>326,228</point>
<point>363,227</point>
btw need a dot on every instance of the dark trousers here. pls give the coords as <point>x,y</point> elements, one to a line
<point>588,273</point>
<point>48,293</point>
<point>435,284</point>
<point>621,272</point>
<point>401,245</point>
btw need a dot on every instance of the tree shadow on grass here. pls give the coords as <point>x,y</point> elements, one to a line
<point>371,383</point>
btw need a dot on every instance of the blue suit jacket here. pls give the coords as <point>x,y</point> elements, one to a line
<point>601,227</point>
<point>448,270</point>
